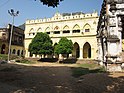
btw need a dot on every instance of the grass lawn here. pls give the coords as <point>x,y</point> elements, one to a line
<point>5,57</point>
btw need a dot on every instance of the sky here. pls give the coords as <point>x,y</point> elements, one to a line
<point>31,9</point>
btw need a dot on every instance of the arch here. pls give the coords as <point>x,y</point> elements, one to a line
<point>87,50</point>
<point>3,49</point>
<point>22,53</point>
<point>30,55</point>
<point>47,29</point>
<point>76,27</point>
<point>18,53</point>
<point>76,50</point>
<point>56,28</point>
<point>14,51</point>
<point>39,30</point>
<point>32,31</point>
<point>66,27</point>
<point>87,27</point>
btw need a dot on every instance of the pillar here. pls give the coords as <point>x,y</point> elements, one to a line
<point>61,32</point>
<point>81,53</point>
<point>38,56</point>
<point>70,55</point>
<point>71,32</point>
<point>28,54</point>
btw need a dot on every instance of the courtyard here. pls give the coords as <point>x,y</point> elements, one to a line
<point>45,77</point>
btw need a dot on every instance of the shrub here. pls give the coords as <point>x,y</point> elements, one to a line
<point>25,61</point>
<point>5,57</point>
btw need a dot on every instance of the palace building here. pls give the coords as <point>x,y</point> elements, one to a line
<point>79,27</point>
<point>17,43</point>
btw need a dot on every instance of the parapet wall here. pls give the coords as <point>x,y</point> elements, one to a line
<point>63,17</point>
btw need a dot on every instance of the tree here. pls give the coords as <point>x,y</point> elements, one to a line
<point>64,46</point>
<point>53,3</point>
<point>41,44</point>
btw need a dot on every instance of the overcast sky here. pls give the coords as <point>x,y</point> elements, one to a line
<point>31,9</point>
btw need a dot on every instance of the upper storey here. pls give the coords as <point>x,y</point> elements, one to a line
<point>63,17</point>
<point>66,24</point>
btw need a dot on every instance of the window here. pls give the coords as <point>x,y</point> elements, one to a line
<point>31,33</point>
<point>76,31</point>
<point>87,30</point>
<point>20,39</point>
<point>66,31</point>
<point>15,38</point>
<point>4,35</point>
<point>56,32</point>
<point>48,32</point>
<point>14,51</point>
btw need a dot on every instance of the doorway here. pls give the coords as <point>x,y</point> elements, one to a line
<point>86,50</point>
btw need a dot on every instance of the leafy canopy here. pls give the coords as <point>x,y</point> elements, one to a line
<point>41,44</point>
<point>52,3</point>
<point>64,46</point>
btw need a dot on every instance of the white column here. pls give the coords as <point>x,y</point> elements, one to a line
<point>81,53</point>
<point>60,56</point>
<point>28,54</point>
<point>71,32</point>
<point>38,56</point>
<point>70,55</point>
<point>61,32</point>
<point>51,32</point>
<point>81,31</point>
<point>33,56</point>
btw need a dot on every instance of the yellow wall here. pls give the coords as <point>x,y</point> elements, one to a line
<point>60,23</point>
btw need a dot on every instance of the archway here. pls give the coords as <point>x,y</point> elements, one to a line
<point>3,49</point>
<point>76,50</point>
<point>18,52</point>
<point>14,51</point>
<point>86,50</point>
<point>22,53</point>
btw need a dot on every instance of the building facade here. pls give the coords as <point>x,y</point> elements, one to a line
<point>110,32</point>
<point>17,43</point>
<point>78,27</point>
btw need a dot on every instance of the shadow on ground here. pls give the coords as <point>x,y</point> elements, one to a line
<point>66,61</point>
<point>48,60</point>
<point>79,71</point>
<point>16,78</point>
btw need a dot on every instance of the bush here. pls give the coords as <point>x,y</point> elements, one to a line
<point>25,61</point>
<point>5,57</point>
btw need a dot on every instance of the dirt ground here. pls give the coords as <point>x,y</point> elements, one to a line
<point>56,78</point>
